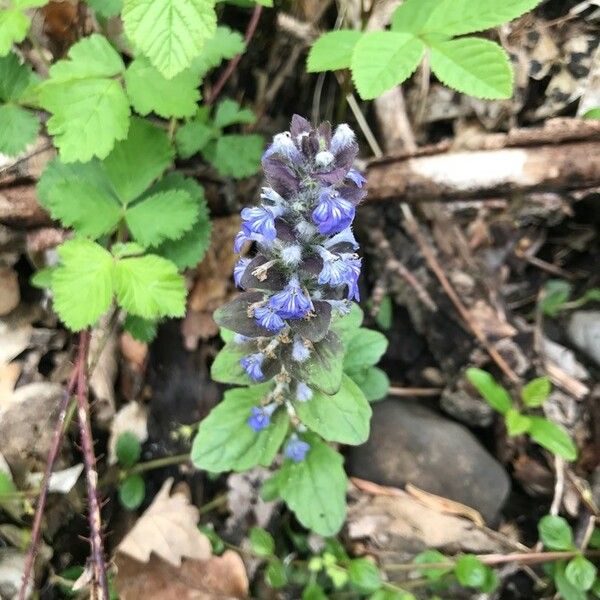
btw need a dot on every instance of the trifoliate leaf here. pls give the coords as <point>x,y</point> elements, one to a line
<point>14,77</point>
<point>162,216</point>
<point>90,110</point>
<point>193,136</point>
<point>149,91</point>
<point>83,283</point>
<point>18,127</point>
<point>171,33</point>
<point>106,8</point>
<point>474,66</point>
<point>140,329</point>
<point>553,437</point>
<point>373,382</point>
<point>238,156</point>
<point>457,17</point>
<point>343,417</point>
<point>226,442</point>
<point>315,488</point>
<point>364,349</point>
<point>137,161</point>
<point>14,26</point>
<point>229,112</point>
<point>224,44</point>
<point>384,59</point>
<point>191,247</point>
<point>150,287</point>
<point>332,51</point>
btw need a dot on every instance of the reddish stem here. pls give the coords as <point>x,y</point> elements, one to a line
<point>233,63</point>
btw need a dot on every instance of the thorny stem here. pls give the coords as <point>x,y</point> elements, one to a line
<point>89,461</point>
<point>233,63</point>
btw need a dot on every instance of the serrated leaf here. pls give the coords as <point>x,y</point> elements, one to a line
<point>90,110</point>
<point>162,216</point>
<point>412,15</point>
<point>457,17</point>
<point>132,491</point>
<point>83,283</point>
<point>315,488</point>
<point>474,66</point>
<point>140,329</point>
<point>332,51</point>
<point>14,77</point>
<point>43,278</point>
<point>238,156</point>
<point>224,44</point>
<point>14,26</point>
<point>171,33</point>
<point>373,382</point>
<point>493,393</point>
<point>106,8</point>
<point>149,91</point>
<point>229,112</point>
<point>226,442</point>
<point>193,136</point>
<point>18,127</point>
<point>553,437</point>
<point>138,160</point>
<point>555,532</point>
<point>384,59</point>
<point>364,349</point>
<point>343,417</point>
<point>150,287</point>
<point>536,392</point>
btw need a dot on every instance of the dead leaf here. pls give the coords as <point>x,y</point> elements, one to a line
<point>167,528</point>
<point>132,417</point>
<point>102,380</point>
<point>9,374</point>
<point>490,322</point>
<point>134,351</point>
<point>218,578</point>
<point>13,340</point>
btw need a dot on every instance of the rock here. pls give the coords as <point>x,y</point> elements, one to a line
<point>466,408</point>
<point>9,284</point>
<point>411,444</point>
<point>583,331</point>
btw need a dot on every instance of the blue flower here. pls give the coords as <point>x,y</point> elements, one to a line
<point>333,213</point>
<point>296,449</point>
<point>343,237</point>
<point>340,269</point>
<point>261,220</point>
<point>252,364</point>
<point>260,416</point>
<point>284,145</point>
<point>303,392</point>
<point>299,350</point>
<point>354,266</point>
<point>356,177</point>
<point>240,239</point>
<point>268,318</point>
<point>342,138</point>
<point>292,302</point>
<point>239,269</point>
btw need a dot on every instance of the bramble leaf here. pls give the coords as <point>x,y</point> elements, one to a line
<point>106,8</point>
<point>193,136</point>
<point>553,437</point>
<point>83,283</point>
<point>332,51</point>
<point>150,287</point>
<point>18,127</point>
<point>14,77</point>
<point>364,349</point>
<point>224,44</point>
<point>140,329</point>
<point>225,441</point>
<point>149,91</point>
<point>90,110</point>
<point>384,59</point>
<point>343,417</point>
<point>238,156</point>
<point>229,112</point>
<point>14,26</point>
<point>162,216</point>
<point>474,66</point>
<point>171,33</point>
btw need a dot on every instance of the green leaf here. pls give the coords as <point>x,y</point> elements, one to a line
<point>238,156</point>
<point>470,571</point>
<point>364,349</point>
<point>343,417</point>
<point>226,367</point>
<point>315,488</point>
<point>223,45</point>
<point>516,423</point>
<point>373,382</point>
<point>106,8</point>
<point>125,249</point>
<point>412,15</point>
<point>553,437</point>
<point>346,325</point>
<point>128,449</point>
<point>474,66</point>
<point>171,33</point>
<point>149,91</point>
<point>555,533</point>
<point>567,591</point>
<point>457,17</point>
<point>15,77</point>
<point>556,293</point>
<point>385,314</point>
<point>90,110</point>
<point>432,557</point>
<point>18,127</point>
<point>14,26</point>
<point>364,575</point>
<point>384,594</point>
<point>229,112</point>
<point>150,287</point>
<point>137,161</point>
<point>384,59</point>
<point>262,542</point>
<point>493,393</point>
<point>581,573</point>
<point>165,215</point>
<point>313,591</point>
<point>43,278</point>
<point>83,283</point>
<point>7,485</point>
<point>332,51</point>
<point>226,442</point>
<point>323,370</point>
<point>140,329</point>
<point>132,491</point>
<point>536,392</point>
<point>193,136</point>
<point>593,113</point>
<point>275,574</point>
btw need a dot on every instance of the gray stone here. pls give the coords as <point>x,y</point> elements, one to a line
<point>583,331</point>
<point>412,444</point>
